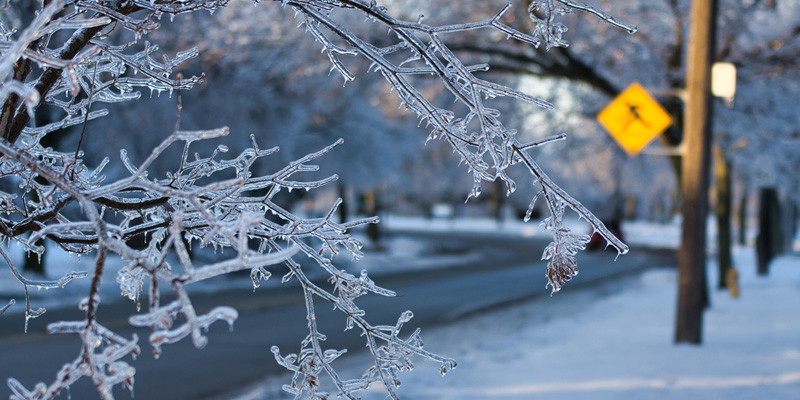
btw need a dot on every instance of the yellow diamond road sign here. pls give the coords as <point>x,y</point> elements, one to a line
<point>634,119</point>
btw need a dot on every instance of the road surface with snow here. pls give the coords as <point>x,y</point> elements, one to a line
<point>473,273</point>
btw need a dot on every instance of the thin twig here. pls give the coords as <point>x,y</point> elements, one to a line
<point>86,117</point>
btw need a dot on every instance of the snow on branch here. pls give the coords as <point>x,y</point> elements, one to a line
<point>545,12</point>
<point>26,283</point>
<point>174,210</point>
<point>214,200</point>
<point>477,135</point>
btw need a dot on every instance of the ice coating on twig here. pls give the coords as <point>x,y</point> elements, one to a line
<point>478,136</point>
<point>217,200</point>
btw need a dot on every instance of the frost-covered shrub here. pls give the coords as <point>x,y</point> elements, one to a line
<point>75,54</point>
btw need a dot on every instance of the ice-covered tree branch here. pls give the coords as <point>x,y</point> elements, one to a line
<point>478,135</point>
<point>75,54</point>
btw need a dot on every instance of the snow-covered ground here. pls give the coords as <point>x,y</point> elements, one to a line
<point>615,342</point>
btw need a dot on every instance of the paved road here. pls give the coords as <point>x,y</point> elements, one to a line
<point>506,271</point>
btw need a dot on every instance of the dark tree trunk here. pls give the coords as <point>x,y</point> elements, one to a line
<point>743,220</point>
<point>722,174</point>
<point>342,207</point>
<point>768,242</point>
<point>497,198</point>
<point>372,208</point>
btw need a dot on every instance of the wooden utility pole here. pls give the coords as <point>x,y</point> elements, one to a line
<point>692,285</point>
